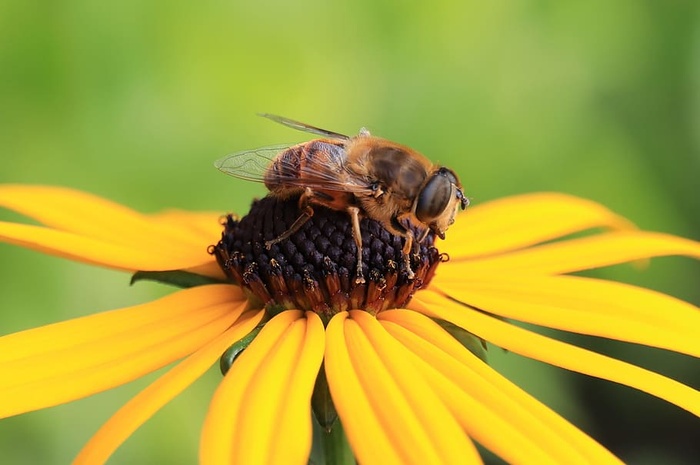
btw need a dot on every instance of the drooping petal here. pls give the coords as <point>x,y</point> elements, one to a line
<point>359,418</point>
<point>555,352</point>
<point>294,411</point>
<point>418,427</point>
<point>492,410</point>
<point>422,404</point>
<point>139,409</point>
<point>65,361</point>
<point>515,222</point>
<point>584,305</point>
<point>579,254</point>
<point>261,411</point>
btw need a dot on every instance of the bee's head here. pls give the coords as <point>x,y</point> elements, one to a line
<point>439,199</point>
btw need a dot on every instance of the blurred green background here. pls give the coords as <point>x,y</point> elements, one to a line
<point>134,100</point>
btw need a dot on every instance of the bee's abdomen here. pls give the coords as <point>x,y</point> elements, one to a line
<point>309,163</point>
<point>285,170</point>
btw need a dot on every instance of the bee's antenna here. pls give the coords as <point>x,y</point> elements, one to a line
<point>303,127</point>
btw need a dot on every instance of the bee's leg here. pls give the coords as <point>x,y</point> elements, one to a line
<point>423,235</point>
<point>306,213</point>
<point>354,213</point>
<point>305,216</point>
<point>407,246</point>
<point>406,253</point>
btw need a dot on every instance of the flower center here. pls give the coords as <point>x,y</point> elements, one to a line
<point>314,268</point>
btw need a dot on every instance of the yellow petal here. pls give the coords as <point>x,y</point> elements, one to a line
<point>583,305</point>
<point>249,419</point>
<point>366,433</point>
<point>86,228</point>
<point>65,361</point>
<point>578,254</point>
<point>206,225</point>
<point>520,221</point>
<point>91,216</point>
<point>139,409</point>
<point>492,410</point>
<point>420,425</point>
<point>93,251</point>
<point>555,352</point>
<point>211,269</point>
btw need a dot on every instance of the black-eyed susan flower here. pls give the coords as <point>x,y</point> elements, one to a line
<point>397,362</point>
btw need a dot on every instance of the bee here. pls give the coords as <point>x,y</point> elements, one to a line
<point>364,175</point>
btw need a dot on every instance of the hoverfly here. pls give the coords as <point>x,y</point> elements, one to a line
<point>364,175</point>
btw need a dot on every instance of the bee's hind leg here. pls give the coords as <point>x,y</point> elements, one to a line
<point>354,213</point>
<point>305,216</point>
<point>306,213</point>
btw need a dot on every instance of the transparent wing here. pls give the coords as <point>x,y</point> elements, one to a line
<point>299,126</point>
<point>250,165</point>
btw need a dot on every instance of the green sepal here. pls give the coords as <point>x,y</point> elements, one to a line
<point>471,342</point>
<point>178,278</point>
<point>232,353</point>
<point>330,446</point>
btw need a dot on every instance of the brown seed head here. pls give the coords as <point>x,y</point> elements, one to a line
<point>313,269</point>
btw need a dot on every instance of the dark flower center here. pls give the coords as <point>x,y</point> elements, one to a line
<point>314,268</point>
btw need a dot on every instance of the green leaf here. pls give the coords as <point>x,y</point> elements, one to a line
<point>472,343</point>
<point>232,353</point>
<point>178,278</point>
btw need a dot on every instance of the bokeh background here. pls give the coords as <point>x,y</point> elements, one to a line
<point>133,100</point>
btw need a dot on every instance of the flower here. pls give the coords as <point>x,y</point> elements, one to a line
<point>409,384</point>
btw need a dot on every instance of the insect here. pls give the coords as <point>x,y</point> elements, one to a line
<point>364,175</point>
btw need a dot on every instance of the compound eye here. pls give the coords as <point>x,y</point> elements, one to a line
<point>435,196</point>
<point>449,174</point>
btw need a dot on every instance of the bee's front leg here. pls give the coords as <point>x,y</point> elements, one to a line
<point>354,213</point>
<point>406,253</point>
<point>407,234</point>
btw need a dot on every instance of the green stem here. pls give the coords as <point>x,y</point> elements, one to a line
<point>330,446</point>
